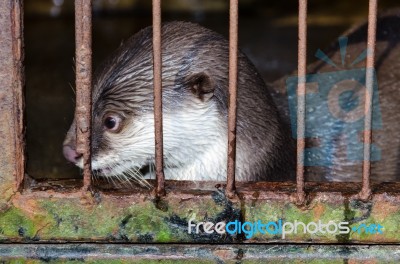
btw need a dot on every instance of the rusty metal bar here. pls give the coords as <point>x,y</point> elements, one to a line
<point>158,125</point>
<point>233,53</point>
<point>83,65</point>
<point>12,80</point>
<point>365,192</point>
<point>17,17</point>
<point>301,103</point>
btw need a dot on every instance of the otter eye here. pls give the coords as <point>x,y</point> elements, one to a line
<point>112,123</point>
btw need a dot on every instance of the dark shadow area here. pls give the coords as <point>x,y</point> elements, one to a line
<point>267,35</point>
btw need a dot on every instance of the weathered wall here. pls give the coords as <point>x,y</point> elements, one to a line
<point>11,99</point>
<point>136,217</point>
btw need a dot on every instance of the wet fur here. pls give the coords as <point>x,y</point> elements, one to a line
<point>195,96</point>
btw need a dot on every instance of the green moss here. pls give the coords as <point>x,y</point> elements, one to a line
<point>13,223</point>
<point>164,236</point>
<point>138,261</point>
<point>69,221</point>
<point>20,261</point>
<point>332,214</point>
<point>289,261</point>
<point>144,221</point>
<point>73,222</point>
<point>265,212</point>
<point>391,226</point>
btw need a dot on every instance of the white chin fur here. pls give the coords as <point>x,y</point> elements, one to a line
<point>194,147</point>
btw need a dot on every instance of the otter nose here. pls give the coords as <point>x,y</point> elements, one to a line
<point>70,154</point>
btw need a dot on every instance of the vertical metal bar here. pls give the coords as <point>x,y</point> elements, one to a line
<point>12,80</point>
<point>301,92</point>
<point>233,53</point>
<point>17,17</point>
<point>158,125</point>
<point>83,65</point>
<point>366,188</point>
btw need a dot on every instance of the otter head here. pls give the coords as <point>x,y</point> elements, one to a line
<point>194,94</point>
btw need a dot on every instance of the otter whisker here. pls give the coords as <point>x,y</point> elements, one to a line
<point>139,177</point>
<point>152,170</point>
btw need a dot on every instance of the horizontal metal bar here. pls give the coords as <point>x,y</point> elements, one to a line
<point>198,252</point>
<point>281,189</point>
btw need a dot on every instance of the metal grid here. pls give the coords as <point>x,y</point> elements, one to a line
<point>34,212</point>
<point>83,86</point>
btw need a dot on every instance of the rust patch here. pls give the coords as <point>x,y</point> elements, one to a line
<point>12,160</point>
<point>83,65</point>
<point>225,254</point>
<point>382,210</point>
<point>30,206</point>
<point>319,210</point>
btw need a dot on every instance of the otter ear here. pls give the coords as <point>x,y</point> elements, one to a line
<point>201,86</point>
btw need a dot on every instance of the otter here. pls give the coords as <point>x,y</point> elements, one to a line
<point>195,103</point>
<point>195,91</point>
